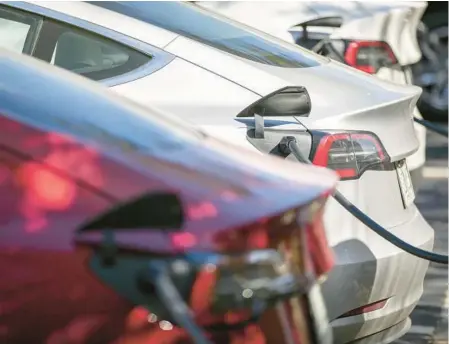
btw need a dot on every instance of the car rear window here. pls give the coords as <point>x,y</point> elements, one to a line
<point>196,23</point>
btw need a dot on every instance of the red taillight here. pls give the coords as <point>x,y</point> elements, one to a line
<point>321,254</point>
<point>350,154</point>
<point>272,258</point>
<point>369,56</point>
<point>183,240</point>
<point>286,230</point>
<point>365,309</point>
<point>298,233</point>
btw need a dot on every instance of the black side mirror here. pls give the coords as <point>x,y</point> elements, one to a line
<point>287,101</point>
<point>160,210</point>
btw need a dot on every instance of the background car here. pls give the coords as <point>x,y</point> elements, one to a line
<point>249,89</point>
<point>84,180</point>
<point>376,37</point>
<point>431,71</point>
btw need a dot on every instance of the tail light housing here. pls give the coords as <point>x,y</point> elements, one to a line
<point>369,56</point>
<point>350,154</point>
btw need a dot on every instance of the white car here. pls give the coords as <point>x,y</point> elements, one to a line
<point>250,88</point>
<point>377,37</point>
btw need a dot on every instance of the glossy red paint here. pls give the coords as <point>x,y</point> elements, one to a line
<point>322,258</point>
<point>276,326</point>
<point>45,285</point>
<point>183,240</point>
<point>42,270</point>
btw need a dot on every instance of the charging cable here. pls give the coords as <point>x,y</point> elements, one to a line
<point>289,145</point>
<point>174,303</point>
<point>429,125</point>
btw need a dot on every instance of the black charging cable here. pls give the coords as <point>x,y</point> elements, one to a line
<point>289,145</point>
<point>172,300</point>
<point>429,125</point>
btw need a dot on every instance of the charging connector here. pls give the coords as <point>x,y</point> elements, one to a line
<point>172,300</point>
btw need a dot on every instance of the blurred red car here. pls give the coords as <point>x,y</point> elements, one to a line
<point>93,189</point>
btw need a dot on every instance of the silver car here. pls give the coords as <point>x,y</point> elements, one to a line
<point>215,73</point>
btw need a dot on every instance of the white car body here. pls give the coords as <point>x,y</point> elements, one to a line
<point>395,23</point>
<point>209,87</point>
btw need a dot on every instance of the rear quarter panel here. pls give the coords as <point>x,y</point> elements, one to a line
<point>191,93</point>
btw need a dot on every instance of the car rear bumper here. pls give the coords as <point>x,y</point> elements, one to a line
<point>417,176</point>
<point>386,336</point>
<point>417,159</point>
<point>367,272</point>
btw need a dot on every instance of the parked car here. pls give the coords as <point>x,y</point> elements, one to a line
<point>248,88</point>
<point>431,71</point>
<point>93,189</point>
<point>376,37</point>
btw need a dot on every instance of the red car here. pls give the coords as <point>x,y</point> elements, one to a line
<point>96,192</point>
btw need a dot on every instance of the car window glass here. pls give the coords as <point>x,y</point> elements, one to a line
<point>216,31</point>
<point>13,34</point>
<point>16,30</point>
<point>93,56</point>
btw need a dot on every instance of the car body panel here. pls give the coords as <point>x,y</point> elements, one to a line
<point>263,79</point>
<point>383,278</point>
<point>72,142</point>
<point>392,123</point>
<point>192,92</point>
<point>370,98</point>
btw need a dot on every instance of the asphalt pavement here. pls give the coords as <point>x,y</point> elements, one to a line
<point>430,317</point>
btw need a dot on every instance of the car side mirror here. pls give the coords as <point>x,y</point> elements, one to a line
<point>287,101</point>
<point>159,210</point>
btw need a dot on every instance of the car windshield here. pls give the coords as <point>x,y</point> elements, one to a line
<point>206,27</point>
